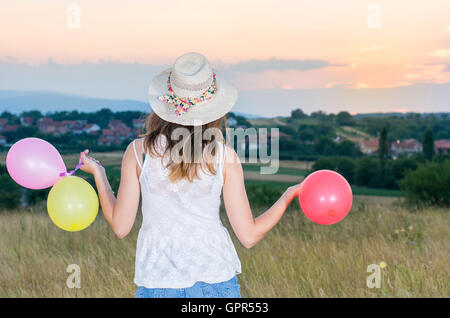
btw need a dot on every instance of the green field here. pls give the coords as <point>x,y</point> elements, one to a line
<point>355,189</point>
<point>281,170</point>
<point>114,171</point>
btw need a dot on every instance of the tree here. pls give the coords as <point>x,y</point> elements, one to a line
<point>344,118</point>
<point>320,116</point>
<point>298,113</point>
<point>9,193</point>
<point>324,164</point>
<point>383,149</point>
<point>103,117</point>
<point>347,148</point>
<point>367,172</point>
<point>12,118</point>
<point>346,167</point>
<point>428,185</point>
<point>396,170</point>
<point>20,133</point>
<point>35,114</point>
<point>428,145</point>
<point>325,146</point>
<point>306,135</point>
<point>288,130</point>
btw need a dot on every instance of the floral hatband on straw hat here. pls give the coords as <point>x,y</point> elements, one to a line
<point>191,93</point>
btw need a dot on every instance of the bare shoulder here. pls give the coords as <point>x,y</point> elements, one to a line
<point>231,156</point>
<point>232,166</point>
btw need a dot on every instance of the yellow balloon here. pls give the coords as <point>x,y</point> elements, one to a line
<point>72,204</point>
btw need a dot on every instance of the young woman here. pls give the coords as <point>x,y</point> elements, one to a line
<point>183,250</point>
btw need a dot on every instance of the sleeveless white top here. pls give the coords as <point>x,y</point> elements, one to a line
<point>182,240</point>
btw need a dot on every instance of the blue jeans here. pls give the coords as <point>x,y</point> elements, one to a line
<point>228,289</point>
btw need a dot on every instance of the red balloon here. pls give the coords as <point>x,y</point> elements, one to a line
<point>325,197</point>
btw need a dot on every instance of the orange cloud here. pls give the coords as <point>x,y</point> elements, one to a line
<point>445,53</point>
<point>372,48</point>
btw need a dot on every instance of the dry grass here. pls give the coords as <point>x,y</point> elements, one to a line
<point>296,259</point>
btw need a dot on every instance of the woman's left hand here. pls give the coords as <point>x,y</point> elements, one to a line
<point>292,192</point>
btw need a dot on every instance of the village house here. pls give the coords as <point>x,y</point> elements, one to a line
<point>442,146</point>
<point>117,132</point>
<point>2,140</point>
<point>407,147</point>
<point>338,139</point>
<point>3,122</point>
<point>65,126</point>
<point>26,121</point>
<point>120,129</point>
<point>78,128</point>
<point>49,126</point>
<point>46,125</point>
<point>138,123</point>
<point>6,128</point>
<point>108,138</point>
<point>369,146</point>
<point>92,129</point>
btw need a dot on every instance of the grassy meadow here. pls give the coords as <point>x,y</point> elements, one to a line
<point>296,259</point>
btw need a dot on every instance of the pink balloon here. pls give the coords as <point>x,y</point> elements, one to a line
<point>325,197</point>
<point>34,163</point>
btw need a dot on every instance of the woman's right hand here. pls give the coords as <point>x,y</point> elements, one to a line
<point>90,164</point>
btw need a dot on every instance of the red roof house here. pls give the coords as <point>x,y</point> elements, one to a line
<point>9,128</point>
<point>442,146</point>
<point>407,146</point>
<point>3,121</point>
<point>26,121</point>
<point>138,122</point>
<point>369,146</point>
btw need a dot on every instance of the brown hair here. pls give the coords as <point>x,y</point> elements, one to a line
<point>191,161</point>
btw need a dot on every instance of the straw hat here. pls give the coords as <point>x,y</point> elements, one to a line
<point>191,93</point>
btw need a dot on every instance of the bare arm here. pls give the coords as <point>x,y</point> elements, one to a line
<point>247,229</point>
<point>121,212</point>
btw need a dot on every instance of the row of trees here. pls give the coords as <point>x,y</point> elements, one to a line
<point>13,195</point>
<point>101,117</point>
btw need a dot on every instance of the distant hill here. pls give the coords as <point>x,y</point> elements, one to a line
<point>19,101</point>
<point>380,115</point>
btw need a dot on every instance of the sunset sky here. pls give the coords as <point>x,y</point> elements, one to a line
<point>262,45</point>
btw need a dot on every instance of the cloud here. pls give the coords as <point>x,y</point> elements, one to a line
<point>412,76</point>
<point>339,84</point>
<point>440,53</point>
<point>373,48</point>
<point>274,64</point>
<point>360,86</point>
<point>401,110</point>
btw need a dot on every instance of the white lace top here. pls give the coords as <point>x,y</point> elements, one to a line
<point>182,239</point>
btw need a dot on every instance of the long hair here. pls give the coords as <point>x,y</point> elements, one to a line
<point>191,161</point>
